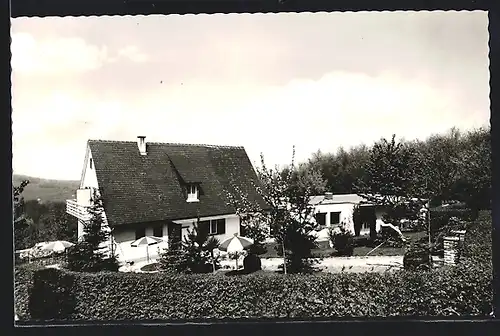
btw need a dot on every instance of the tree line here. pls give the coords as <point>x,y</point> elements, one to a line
<point>451,166</point>
<point>36,222</point>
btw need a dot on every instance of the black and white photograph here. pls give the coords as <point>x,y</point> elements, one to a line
<point>258,166</point>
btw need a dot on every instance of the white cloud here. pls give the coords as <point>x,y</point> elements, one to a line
<point>54,55</point>
<point>338,109</point>
<point>133,53</point>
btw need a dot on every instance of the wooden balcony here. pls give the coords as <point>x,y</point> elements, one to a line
<point>77,210</point>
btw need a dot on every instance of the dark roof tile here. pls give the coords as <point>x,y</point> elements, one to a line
<point>143,188</point>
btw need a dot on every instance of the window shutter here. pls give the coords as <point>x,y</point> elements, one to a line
<point>203,227</point>
<point>321,218</point>
<point>221,226</point>
<point>140,232</point>
<point>158,230</point>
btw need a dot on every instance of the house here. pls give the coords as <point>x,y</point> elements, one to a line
<point>162,189</point>
<point>331,210</point>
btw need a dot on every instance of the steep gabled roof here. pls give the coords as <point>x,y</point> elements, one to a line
<point>143,188</point>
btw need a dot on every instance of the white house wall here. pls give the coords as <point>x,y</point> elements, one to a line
<point>88,180</point>
<point>232,226</point>
<point>346,211</point>
<point>89,177</point>
<point>125,251</point>
<point>124,238</point>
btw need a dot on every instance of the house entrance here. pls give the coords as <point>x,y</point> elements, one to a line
<point>367,220</point>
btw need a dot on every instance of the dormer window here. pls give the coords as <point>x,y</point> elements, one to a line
<point>192,193</point>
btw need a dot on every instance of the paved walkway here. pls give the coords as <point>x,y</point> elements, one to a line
<point>341,264</point>
<point>332,264</point>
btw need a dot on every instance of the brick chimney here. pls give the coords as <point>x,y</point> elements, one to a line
<point>141,143</point>
<point>328,196</point>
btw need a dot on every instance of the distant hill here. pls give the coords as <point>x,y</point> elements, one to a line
<point>47,190</point>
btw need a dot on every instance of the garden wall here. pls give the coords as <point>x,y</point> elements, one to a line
<point>463,290</point>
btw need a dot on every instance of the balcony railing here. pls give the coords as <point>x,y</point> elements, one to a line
<point>77,210</point>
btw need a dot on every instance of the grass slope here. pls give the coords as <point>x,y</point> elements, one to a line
<point>46,190</point>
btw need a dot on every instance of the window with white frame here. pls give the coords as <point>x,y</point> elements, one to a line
<point>192,193</point>
<point>214,226</point>
<point>218,226</point>
<point>335,218</point>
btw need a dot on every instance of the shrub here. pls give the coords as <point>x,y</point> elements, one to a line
<point>173,259</point>
<point>82,257</point>
<point>390,236</point>
<point>23,280</point>
<point>417,258</point>
<point>362,241</point>
<point>441,216</point>
<point>478,240</point>
<point>252,263</point>
<point>51,295</point>
<point>342,240</point>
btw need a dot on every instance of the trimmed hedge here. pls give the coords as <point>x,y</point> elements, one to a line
<point>115,296</point>
<point>23,281</point>
<point>58,304</point>
<point>463,290</point>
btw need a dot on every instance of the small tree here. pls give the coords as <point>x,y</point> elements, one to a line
<point>173,259</point>
<point>254,220</point>
<point>292,215</point>
<point>92,253</point>
<point>194,254</point>
<point>22,223</point>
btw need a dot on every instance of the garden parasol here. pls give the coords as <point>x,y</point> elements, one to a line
<point>57,246</point>
<point>235,244</point>
<point>146,241</point>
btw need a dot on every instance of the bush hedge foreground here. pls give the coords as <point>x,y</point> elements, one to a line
<point>23,282</point>
<point>113,296</point>
<point>464,290</point>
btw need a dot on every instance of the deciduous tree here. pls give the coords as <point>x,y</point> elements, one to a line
<point>291,213</point>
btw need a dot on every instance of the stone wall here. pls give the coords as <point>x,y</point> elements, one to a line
<point>452,247</point>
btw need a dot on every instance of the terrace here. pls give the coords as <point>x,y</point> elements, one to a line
<point>79,207</point>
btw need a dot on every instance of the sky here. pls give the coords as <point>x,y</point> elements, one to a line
<point>263,81</point>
